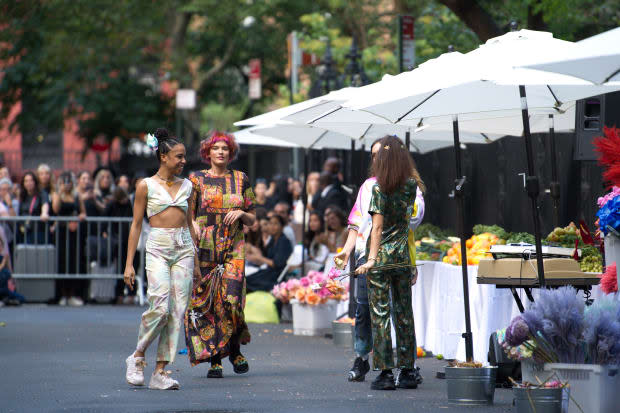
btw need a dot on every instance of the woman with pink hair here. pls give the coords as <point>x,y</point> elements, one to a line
<point>223,201</point>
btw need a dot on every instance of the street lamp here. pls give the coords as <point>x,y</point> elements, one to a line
<point>329,79</point>
<point>354,69</point>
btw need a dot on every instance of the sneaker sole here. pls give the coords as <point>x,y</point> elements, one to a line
<point>410,387</point>
<point>134,384</point>
<point>211,375</point>
<point>175,387</point>
<point>357,379</point>
<point>375,387</point>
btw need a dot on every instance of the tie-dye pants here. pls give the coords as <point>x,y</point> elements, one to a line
<point>169,269</point>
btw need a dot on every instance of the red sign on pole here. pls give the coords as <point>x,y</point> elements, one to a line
<point>254,87</point>
<point>407,42</point>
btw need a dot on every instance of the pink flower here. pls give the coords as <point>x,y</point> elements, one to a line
<point>615,191</point>
<point>283,293</point>
<point>334,273</point>
<point>293,284</point>
<point>305,282</point>
<point>324,292</point>
<point>319,278</point>
<point>275,291</point>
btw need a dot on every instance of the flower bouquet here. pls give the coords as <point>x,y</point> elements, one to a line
<point>313,289</point>
<point>578,344</point>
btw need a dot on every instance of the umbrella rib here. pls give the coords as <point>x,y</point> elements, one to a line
<point>317,139</point>
<point>322,115</point>
<point>557,101</point>
<point>418,105</point>
<point>612,75</point>
<point>366,131</point>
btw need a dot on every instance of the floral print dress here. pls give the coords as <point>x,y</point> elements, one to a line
<point>214,320</point>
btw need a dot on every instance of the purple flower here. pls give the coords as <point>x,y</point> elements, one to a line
<point>517,332</point>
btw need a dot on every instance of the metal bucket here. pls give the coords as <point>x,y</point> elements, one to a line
<point>471,386</point>
<point>540,400</point>
<point>343,334</point>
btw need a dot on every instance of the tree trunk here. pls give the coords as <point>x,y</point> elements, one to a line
<point>475,17</point>
<point>535,18</point>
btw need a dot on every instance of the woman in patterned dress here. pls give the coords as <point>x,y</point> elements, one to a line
<point>391,207</point>
<point>223,202</point>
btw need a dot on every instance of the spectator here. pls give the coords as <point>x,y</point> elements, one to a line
<point>317,251</point>
<point>32,202</point>
<point>279,250</point>
<point>65,203</point>
<point>11,204</point>
<point>280,192</point>
<point>298,203</point>
<point>104,186</point>
<point>336,229</point>
<point>4,173</point>
<point>282,209</point>
<point>6,233</point>
<point>260,192</point>
<point>312,186</point>
<point>330,193</point>
<point>120,206</point>
<point>332,166</point>
<point>124,182</point>
<point>46,181</point>
<point>8,292</point>
<point>253,234</point>
<point>263,221</point>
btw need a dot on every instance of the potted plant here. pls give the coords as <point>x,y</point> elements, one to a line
<point>313,308</point>
<point>579,345</point>
<point>470,383</point>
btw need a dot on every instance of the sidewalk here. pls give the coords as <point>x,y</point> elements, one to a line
<point>73,359</point>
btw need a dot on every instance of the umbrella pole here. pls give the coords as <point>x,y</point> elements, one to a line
<point>555,184</point>
<point>532,185</point>
<point>460,213</point>
<point>303,219</point>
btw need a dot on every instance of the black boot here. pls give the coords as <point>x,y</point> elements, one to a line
<point>409,379</point>
<point>359,370</point>
<point>384,381</point>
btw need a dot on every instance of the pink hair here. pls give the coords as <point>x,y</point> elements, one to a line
<point>216,136</point>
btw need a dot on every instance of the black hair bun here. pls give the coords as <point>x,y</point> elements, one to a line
<point>161,133</point>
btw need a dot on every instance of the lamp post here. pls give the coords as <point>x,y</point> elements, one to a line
<point>329,79</point>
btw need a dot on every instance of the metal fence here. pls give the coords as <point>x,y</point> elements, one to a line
<point>70,248</point>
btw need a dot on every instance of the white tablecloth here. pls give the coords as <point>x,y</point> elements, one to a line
<point>439,312</point>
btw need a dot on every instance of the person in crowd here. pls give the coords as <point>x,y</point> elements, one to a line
<point>6,198</point>
<point>330,193</point>
<point>279,189</point>
<point>124,182</point>
<point>279,250</point>
<point>8,291</point>
<point>120,206</point>
<point>65,203</point>
<point>298,202</point>
<point>263,221</point>
<point>314,242</point>
<point>253,233</point>
<point>396,187</point>
<point>4,172</point>
<point>336,231</point>
<point>283,209</point>
<point>46,179</point>
<point>223,202</point>
<point>33,202</point>
<point>104,186</point>
<point>260,191</point>
<point>170,253</point>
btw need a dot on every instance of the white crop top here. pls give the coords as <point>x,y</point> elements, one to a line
<point>158,199</point>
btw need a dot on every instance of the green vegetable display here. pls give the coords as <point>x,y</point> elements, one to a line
<point>493,229</point>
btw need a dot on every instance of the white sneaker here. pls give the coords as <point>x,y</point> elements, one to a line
<point>75,302</point>
<point>135,370</point>
<point>161,380</point>
<point>62,302</point>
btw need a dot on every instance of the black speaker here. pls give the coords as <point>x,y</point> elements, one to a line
<point>591,114</point>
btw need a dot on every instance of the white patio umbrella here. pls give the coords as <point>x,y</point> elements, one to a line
<point>246,137</point>
<point>596,59</point>
<point>480,84</point>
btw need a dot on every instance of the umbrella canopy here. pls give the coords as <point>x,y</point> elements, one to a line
<point>596,59</point>
<point>246,137</point>
<point>483,84</point>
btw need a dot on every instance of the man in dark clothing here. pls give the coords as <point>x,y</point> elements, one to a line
<point>331,193</point>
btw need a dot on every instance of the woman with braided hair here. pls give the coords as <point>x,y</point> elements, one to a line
<point>222,203</point>
<point>170,253</point>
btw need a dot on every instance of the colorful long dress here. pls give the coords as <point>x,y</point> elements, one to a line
<point>214,320</point>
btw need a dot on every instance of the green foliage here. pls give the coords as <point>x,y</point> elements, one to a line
<point>493,229</point>
<point>431,231</point>
<point>520,237</point>
<point>215,116</point>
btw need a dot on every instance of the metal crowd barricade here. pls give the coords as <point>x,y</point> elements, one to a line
<point>41,248</point>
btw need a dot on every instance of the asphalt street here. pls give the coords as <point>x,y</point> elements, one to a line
<point>57,359</point>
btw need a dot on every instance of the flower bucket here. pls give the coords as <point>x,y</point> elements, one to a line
<point>533,372</point>
<point>470,385</point>
<point>612,252</point>
<point>343,334</point>
<point>592,386</point>
<point>534,400</point>
<point>313,320</point>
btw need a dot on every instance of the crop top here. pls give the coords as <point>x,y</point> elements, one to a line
<point>158,199</point>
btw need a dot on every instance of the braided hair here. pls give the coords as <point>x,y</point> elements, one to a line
<point>165,142</point>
